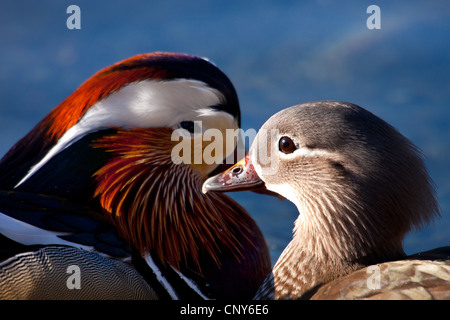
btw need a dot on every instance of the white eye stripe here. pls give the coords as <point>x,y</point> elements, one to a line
<point>146,104</point>
<point>151,104</point>
<point>300,151</point>
<point>304,152</point>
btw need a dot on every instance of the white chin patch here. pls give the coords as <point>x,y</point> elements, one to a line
<point>146,104</point>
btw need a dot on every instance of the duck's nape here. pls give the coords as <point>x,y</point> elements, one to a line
<point>359,186</point>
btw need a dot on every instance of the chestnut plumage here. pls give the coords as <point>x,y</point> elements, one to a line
<point>96,174</point>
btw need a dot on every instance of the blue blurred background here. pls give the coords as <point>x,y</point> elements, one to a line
<point>277,54</point>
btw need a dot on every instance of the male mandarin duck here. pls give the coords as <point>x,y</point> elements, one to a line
<point>95,185</point>
<point>359,186</point>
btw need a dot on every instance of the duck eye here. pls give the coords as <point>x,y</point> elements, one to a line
<point>188,125</point>
<point>286,145</point>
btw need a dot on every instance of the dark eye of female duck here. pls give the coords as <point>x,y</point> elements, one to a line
<point>188,125</point>
<point>286,145</point>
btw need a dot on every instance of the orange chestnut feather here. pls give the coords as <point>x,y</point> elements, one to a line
<point>158,206</point>
<point>96,88</point>
<point>53,126</point>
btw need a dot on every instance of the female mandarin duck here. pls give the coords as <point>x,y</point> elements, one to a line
<point>93,185</point>
<point>359,187</point>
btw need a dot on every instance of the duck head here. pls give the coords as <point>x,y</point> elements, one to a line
<point>358,184</point>
<point>110,145</point>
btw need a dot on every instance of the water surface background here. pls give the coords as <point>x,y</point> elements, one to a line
<point>277,54</point>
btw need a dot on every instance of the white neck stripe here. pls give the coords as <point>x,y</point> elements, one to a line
<point>159,276</point>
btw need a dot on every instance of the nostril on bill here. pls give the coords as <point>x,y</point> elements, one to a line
<point>237,170</point>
